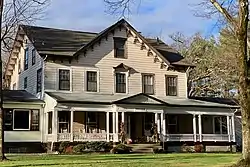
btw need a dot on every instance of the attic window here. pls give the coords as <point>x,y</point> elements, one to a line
<point>119,47</point>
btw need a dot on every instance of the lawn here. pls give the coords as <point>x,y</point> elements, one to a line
<point>133,160</point>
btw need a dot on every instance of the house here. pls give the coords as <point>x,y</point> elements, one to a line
<point>93,82</point>
<point>22,112</point>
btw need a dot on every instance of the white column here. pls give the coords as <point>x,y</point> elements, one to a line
<point>200,128</point>
<point>117,122</point>
<point>71,125</point>
<point>194,127</point>
<point>113,115</point>
<point>55,124</point>
<point>233,128</point>
<point>107,125</point>
<point>228,128</point>
<point>162,128</point>
<point>123,118</point>
<point>158,124</point>
<point>164,124</point>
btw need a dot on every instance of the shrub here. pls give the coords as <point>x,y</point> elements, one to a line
<point>198,148</point>
<point>186,148</point>
<point>69,150</point>
<point>63,146</point>
<point>98,146</point>
<point>78,149</point>
<point>121,149</point>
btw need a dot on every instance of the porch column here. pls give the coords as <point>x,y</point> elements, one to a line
<point>163,126</point>
<point>55,124</point>
<point>107,125</point>
<point>117,122</point>
<point>157,122</point>
<point>71,125</point>
<point>123,118</point>
<point>194,127</point>
<point>228,128</point>
<point>200,128</point>
<point>113,115</point>
<point>233,128</point>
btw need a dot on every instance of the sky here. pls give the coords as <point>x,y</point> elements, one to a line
<point>154,18</point>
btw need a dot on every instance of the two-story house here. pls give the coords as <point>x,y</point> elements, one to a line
<point>93,82</point>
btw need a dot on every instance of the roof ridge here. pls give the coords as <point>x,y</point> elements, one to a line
<point>60,29</point>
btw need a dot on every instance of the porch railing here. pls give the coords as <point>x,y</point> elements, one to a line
<point>190,137</point>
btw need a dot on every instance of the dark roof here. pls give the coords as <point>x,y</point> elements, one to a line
<point>53,41</point>
<point>174,57</point>
<point>19,96</point>
<point>228,101</point>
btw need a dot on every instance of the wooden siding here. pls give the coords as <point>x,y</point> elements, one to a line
<point>30,73</point>
<point>101,58</point>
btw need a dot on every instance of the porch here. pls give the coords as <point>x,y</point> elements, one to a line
<point>86,126</point>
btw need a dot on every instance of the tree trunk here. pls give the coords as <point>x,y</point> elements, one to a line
<point>244,81</point>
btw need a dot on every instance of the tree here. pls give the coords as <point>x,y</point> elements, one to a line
<point>12,13</point>
<point>236,15</point>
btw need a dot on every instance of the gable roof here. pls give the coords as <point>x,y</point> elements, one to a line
<point>51,41</point>
<point>19,96</point>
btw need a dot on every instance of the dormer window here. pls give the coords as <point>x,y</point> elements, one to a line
<point>26,59</point>
<point>119,47</point>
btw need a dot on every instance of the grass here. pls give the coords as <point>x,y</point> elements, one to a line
<point>133,160</point>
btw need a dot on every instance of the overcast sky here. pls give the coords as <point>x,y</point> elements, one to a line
<point>155,18</point>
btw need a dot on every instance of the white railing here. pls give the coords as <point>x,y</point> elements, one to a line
<point>190,137</point>
<point>90,137</point>
<point>64,136</point>
<point>177,137</point>
<point>215,137</point>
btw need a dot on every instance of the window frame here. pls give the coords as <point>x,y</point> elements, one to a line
<point>167,85</point>
<point>37,72</point>
<point>175,124</point>
<point>87,81</point>
<point>26,59</point>
<point>25,82</point>
<point>143,82</point>
<point>13,123</point>
<point>70,80</point>
<point>33,53</point>
<point>115,39</point>
<point>126,82</point>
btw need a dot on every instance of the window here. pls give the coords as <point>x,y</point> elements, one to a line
<point>39,80</point>
<point>171,85</point>
<point>119,47</point>
<point>120,79</point>
<point>91,81</point>
<point>220,125</point>
<point>25,82</point>
<point>35,120</point>
<point>50,123</point>
<point>21,120</point>
<point>26,59</point>
<point>33,57</point>
<point>8,121</point>
<point>148,83</point>
<point>172,124</point>
<point>91,122</point>
<point>64,118</point>
<point>64,79</point>
<point>19,66</point>
<point>148,121</point>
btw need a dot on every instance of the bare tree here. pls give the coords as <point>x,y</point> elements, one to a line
<point>236,14</point>
<point>13,13</point>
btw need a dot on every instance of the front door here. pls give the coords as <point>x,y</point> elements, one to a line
<point>136,128</point>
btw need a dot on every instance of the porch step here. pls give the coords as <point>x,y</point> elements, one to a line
<point>143,148</point>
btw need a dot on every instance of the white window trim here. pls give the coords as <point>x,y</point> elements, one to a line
<point>127,86</point>
<point>71,79</point>
<point>13,126</point>
<point>86,82</point>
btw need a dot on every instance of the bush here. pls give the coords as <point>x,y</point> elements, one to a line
<point>69,150</point>
<point>158,150</point>
<point>198,148</point>
<point>78,149</point>
<point>63,146</point>
<point>186,148</point>
<point>121,149</point>
<point>98,146</point>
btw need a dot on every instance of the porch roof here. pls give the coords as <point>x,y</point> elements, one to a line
<point>12,96</point>
<point>132,99</point>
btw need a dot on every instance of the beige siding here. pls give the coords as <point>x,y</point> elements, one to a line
<point>102,58</point>
<point>30,73</point>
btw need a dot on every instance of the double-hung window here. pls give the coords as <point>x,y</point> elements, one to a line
<point>26,59</point>
<point>119,47</point>
<point>120,83</point>
<point>148,83</point>
<point>92,81</point>
<point>39,80</point>
<point>171,85</point>
<point>64,79</point>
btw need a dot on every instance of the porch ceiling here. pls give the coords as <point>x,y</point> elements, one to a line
<point>140,98</point>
